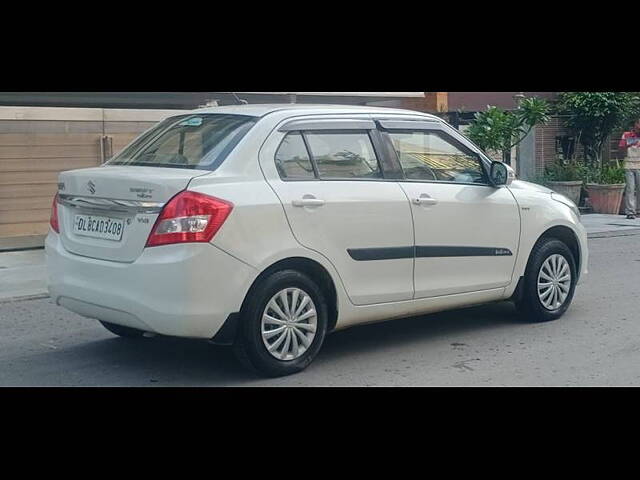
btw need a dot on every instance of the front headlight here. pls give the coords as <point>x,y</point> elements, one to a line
<point>564,200</point>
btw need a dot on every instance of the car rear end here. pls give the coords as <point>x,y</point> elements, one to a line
<point>130,244</point>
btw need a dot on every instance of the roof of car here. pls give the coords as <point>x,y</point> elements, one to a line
<point>260,110</point>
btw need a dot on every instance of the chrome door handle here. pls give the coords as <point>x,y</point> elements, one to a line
<point>424,199</point>
<point>308,202</point>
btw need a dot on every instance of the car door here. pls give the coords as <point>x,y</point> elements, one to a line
<point>466,231</point>
<point>339,201</point>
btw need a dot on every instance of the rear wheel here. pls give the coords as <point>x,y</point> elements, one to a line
<point>283,324</point>
<point>549,281</point>
<point>122,331</point>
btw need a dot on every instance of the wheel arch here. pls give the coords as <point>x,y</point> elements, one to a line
<point>568,237</point>
<point>315,270</point>
<point>560,232</point>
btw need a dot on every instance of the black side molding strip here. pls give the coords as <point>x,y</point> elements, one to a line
<point>462,252</point>
<point>395,253</point>
<point>384,253</point>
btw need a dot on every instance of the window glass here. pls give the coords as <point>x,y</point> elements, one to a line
<point>292,158</point>
<point>429,155</point>
<point>189,141</point>
<point>343,155</point>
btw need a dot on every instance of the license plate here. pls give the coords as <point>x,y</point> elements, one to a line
<point>96,226</point>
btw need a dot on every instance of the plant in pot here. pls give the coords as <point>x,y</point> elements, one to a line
<point>565,177</point>
<point>592,117</point>
<point>605,186</point>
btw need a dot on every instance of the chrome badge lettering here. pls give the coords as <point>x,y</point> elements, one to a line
<point>142,192</point>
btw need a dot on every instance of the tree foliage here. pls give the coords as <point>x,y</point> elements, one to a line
<point>501,130</point>
<point>593,117</point>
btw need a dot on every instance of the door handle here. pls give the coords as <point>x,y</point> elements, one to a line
<point>424,199</point>
<point>308,202</point>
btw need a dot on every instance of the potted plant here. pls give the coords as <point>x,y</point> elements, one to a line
<point>605,187</point>
<point>565,177</point>
<point>592,117</point>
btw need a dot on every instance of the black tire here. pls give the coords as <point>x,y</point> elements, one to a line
<point>249,346</point>
<point>529,305</point>
<point>122,331</point>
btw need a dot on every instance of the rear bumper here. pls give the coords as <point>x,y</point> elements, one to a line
<point>179,290</point>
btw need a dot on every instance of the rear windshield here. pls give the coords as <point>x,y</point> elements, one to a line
<point>187,141</point>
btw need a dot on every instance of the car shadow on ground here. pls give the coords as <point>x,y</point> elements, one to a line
<point>167,361</point>
<point>400,332</point>
<point>163,361</point>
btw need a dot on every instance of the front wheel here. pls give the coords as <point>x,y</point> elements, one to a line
<point>549,281</point>
<point>283,324</point>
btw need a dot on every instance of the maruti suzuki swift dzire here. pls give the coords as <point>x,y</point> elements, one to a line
<point>265,227</point>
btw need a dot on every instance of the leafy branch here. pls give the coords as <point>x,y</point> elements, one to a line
<point>501,130</point>
<point>593,117</point>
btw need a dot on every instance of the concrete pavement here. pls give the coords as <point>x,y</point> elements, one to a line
<point>600,225</point>
<point>596,343</point>
<point>23,273</point>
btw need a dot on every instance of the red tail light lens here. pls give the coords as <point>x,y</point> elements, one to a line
<point>53,220</point>
<point>189,217</point>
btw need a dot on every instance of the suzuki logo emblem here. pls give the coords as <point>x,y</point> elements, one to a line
<point>91,187</point>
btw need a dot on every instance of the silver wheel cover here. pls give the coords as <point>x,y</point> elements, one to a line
<point>554,282</point>
<point>289,324</point>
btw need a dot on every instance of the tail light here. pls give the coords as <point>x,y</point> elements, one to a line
<point>53,220</point>
<point>189,217</point>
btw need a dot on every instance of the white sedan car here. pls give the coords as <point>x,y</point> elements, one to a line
<point>266,227</point>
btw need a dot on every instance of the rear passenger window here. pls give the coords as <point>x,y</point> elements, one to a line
<point>292,159</point>
<point>343,155</point>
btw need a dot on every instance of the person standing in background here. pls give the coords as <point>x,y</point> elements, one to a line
<point>630,146</point>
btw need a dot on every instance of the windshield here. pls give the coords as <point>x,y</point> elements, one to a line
<point>187,141</point>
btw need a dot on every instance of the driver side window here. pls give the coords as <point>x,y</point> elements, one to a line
<point>432,156</point>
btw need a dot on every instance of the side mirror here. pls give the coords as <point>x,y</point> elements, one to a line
<point>501,174</point>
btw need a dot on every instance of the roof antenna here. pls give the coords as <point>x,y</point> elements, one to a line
<point>239,100</point>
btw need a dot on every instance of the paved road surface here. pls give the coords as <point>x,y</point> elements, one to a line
<point>596,343</point>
